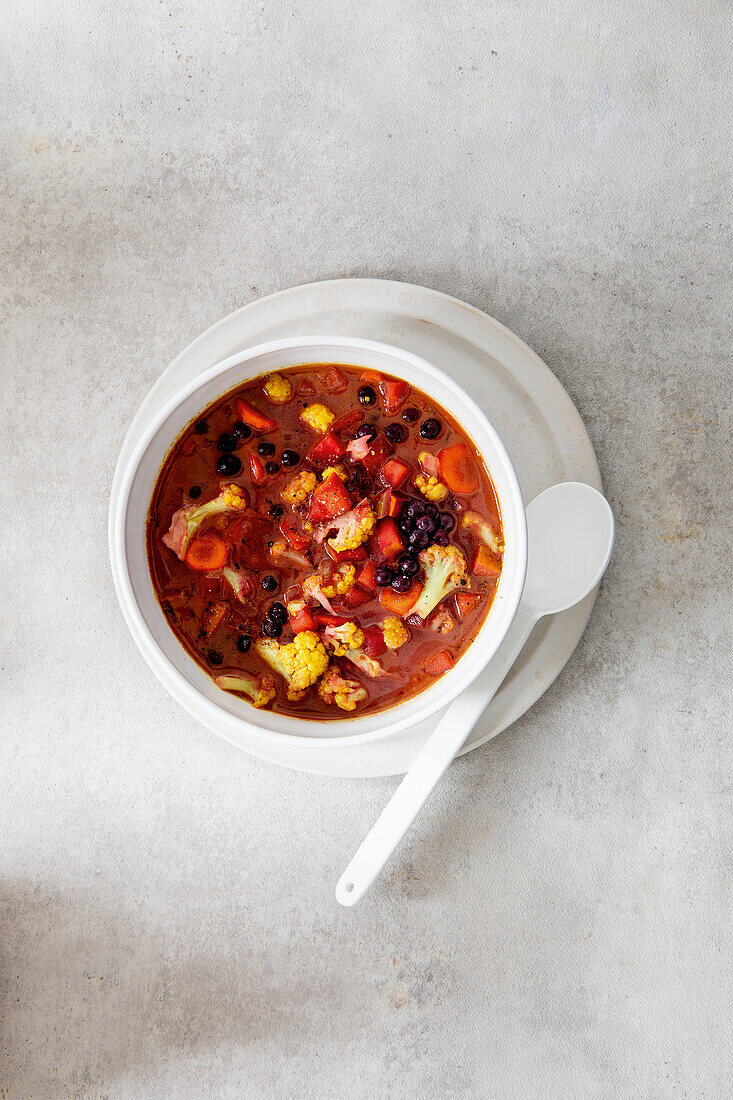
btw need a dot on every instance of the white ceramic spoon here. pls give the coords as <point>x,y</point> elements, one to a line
<point>569,541</point>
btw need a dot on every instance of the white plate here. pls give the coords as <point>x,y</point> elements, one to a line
<point>538,422</point>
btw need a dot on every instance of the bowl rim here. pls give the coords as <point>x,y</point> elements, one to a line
<point>215,716</point>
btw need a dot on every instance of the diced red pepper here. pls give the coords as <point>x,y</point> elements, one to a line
<point>388,539</point>
<point>379,451</point>
<point>332,379</point>
<point>394,394</point>
<point>484,564</point>
<point>291,530</point>
<point>374,643</point>
<point>368,375</point>
<point>357,553</point>
<point>466,603</point>
<point>394,472</point>
<point>252,416</point>
<point>458,468</point>
<point>389,503</point>
<point>355,597</point>
<point>440,663</point>
<point>327,450</point>
<point>303,620</point>
<point>400,603</point>
<point>256,469</point>
<point>347,422</point>
<point>324,619</point>
<point>330,499</point>
<point>366,576</point>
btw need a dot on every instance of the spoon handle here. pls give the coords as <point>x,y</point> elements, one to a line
<point>429,765</point>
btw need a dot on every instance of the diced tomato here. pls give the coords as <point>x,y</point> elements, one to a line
<point>291,530</point>
<point>207,552</point>
<point>358,553</point>
<point>440,663</point>
<point>466,602</point>
<point>484,564</point>
<point>256,469</point>
<point>388,539</point>
<point>400,603</point>
<point>252,416</point>
<point>332,379</point>
<point>330,499</point>
<point>379,450</point>
<point>355,597</point>
<point>327,450</point>
<point>458,468</point>
<point>366,576</point>
<point>374,643</point>
<point>303,620</point>
<point>347,422</point>
<point>394,472</point>
<point>324,619</point>
<point>394,394</point>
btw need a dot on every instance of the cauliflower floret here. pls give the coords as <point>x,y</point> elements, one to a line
<point>485,532</point>
<point>367,664</point>
<point>318,417</point>
<point>442,622</point>
<point>335,688</point>
<point>278,389</point>
<point>260,692</point>
<point>431,488</point>
<point>395,634</point>
<point>301,661</point>
<point>242,584</point>
<point>338,470</point>
<point>186,521</point>
<point>341,582</point>
<point>352,528</point>
<point>300,488</point>
<point>345,637</point>
<point>445,570</point>
<point>282,554</point>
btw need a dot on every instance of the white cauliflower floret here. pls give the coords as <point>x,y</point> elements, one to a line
<point>445,571</point>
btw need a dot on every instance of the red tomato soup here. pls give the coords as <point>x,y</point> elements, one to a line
<point>325,541</point>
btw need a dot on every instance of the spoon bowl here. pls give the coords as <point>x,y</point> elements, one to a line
<point>570,538</point>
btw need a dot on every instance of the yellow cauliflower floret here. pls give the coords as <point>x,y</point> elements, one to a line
<point>354,528</point>
<point>318,417</point>
<point>341,582</point>
<point>233,497</point>
<point>301,661</point>
<point>431,488</point>
<point>345,693</point>
<point>338,470</point>
<point>278,389</point>
<point>300,488</point>
<point>345,637</point>
<point>260,692</point>
<point>395,634</point>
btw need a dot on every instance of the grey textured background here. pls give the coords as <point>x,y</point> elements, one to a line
<point>558,924</point>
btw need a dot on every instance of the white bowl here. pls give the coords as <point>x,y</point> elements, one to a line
<point>227,714</point>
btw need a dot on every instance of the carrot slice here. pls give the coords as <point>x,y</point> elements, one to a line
<point>400,603</point>
<point>458,469</point>
<point>206,553</point>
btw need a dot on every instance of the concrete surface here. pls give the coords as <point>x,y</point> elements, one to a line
<point>558,924</point>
